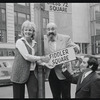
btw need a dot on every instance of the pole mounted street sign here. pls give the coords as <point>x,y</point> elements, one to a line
<point>57,7</point>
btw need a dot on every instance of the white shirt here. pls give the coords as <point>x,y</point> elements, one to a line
<point>52,46</point>
<point>24,52</point>
<point>87,73</point>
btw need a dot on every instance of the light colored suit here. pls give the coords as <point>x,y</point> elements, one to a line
<point>62,42</point>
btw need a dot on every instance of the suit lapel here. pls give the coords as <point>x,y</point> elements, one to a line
<point>46,45</point>
<point>84,82</point>
<point>79,81</point>
<point>59,43</point>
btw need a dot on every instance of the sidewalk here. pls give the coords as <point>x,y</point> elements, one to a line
<point>48,93</point>
<point>6,91</point>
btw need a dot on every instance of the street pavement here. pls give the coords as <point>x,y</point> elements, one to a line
<point>6,91</point>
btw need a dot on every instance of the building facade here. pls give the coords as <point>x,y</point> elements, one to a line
<point>95,27</point>
<point>12,15</point>
<point>81,22</point>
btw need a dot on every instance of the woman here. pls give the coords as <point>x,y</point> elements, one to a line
<point>25,63</point>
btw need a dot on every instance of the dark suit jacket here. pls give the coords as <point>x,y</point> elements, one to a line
<point>89,88</point>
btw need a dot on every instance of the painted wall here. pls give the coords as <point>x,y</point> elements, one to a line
<point>64,21</point>
<point>80,22</point>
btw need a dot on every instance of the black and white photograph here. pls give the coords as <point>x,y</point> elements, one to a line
<point>49,50</point>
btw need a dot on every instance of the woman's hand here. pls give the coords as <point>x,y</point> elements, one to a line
<point>45,58</point>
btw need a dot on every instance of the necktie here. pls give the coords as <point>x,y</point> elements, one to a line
<point>83,76</point>
<point>52,47</point>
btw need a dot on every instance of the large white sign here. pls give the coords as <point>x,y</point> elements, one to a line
<point>58,7</point>
<point>61,56</point>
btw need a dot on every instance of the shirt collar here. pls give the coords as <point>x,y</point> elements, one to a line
<point>87,73</point>
<point>33,41</point>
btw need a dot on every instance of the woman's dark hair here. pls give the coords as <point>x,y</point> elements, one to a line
<point>92,61</point>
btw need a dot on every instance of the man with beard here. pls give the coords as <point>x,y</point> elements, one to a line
<point>88,81</point>
<point>54,42</point>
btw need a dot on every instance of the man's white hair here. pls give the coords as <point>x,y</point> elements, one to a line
<point>51,24</point>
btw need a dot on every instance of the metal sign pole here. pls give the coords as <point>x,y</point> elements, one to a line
<point>39,36</point>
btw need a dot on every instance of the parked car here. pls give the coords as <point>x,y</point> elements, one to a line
<point>5,70</point>
<point>5,76</point>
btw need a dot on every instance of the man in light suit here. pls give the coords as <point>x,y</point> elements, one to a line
<point>88,81</point>
<point>55,42</point>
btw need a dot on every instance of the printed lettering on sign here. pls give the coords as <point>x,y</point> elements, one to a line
<point>59,7</point>
<point>61,56</point>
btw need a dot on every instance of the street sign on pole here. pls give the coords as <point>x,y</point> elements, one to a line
<point>57,7</point>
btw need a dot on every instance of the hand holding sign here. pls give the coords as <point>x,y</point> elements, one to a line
<point>64,67</point>
<point>45,58</point>
<point>61,56</point>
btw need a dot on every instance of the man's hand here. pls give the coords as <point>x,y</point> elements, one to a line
<point>45,58</point>
<point>77,49</point>
<point>64,68</point>
<point>67,66</point>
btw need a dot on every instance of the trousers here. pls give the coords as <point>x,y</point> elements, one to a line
<point>59,88</point>
<point>32,87</point>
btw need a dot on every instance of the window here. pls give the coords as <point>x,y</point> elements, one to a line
<point>3,34</point>
<point>3,37</point>
<point>7,52</point>
<point>97,31</point>
<point>45,22</point>
<point>21,18</point>
<point>96,12</point>
<point>97,46</point>
<point>84,48</point>
<point>79,44</point>
<point>22,13</point>
<point>3,13</point>
<point>0,35</point>
<point>97,16</point>
<point>28,17</point>
<point>1,52</point>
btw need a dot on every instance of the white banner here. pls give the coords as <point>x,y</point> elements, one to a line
<point>61,56</point>
<point>58,7</point>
